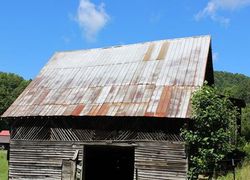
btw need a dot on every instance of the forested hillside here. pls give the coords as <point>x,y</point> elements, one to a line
<point>238,86</point>
<point>11,85</point>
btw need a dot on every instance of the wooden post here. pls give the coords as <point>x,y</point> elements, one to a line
<point>68,170</point>
<point>69,167</point>
<point>233,164</point>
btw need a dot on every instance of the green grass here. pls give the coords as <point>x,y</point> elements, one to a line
<point>242,173</point>
<point>3,165</point>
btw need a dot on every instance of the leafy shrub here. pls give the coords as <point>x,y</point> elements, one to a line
<point>213,133</point>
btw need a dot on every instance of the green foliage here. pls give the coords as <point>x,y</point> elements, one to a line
<point>213,132</point>
<point>237,86</point>
<point>11,85</point>
<point>245,122</point>
<point>3,165</point>
<point>246,150</point>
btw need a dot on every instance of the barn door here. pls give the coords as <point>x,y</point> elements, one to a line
<point>108,162</point>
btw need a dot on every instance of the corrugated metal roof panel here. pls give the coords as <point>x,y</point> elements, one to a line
<point>146,79</point>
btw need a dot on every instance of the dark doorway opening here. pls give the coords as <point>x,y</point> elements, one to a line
<point>108,162</point>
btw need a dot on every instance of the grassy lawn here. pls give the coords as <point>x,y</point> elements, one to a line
<point>3,165</point>
<point>242,173</point>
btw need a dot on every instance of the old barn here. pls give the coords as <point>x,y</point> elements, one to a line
<point>110,113</point>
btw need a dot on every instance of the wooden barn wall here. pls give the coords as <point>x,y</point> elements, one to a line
<point>160,161</point>
<point>39,159</point>
<point>43,159</point>
<point>92,129</point>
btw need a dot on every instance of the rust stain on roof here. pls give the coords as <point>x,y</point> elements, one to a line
<point>77,110</point>
<point>146,79</point>
<point>103,110</point>
<point>148,54</point>
<point>164,102</point>
<point>163,51</point>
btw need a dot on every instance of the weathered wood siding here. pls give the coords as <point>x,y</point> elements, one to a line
<point>160,161</point>
<point>43,159</point>
<point>39,159</point>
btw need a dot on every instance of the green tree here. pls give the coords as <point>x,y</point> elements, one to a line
<point>212,133</point>
<point>11,86</point>
<point>237,86</point>
<point>245,124</point>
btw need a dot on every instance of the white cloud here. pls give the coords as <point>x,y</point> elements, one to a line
<point>91,18</point>
<point>213,6</point>
<point>231,4</point>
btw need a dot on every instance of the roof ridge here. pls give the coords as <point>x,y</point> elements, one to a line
<point>131,44</point>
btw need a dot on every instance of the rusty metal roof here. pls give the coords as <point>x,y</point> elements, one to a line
<point>146,79</point>
<point>5,133</point>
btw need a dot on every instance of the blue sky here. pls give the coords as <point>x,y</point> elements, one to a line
<point>31,31</point>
